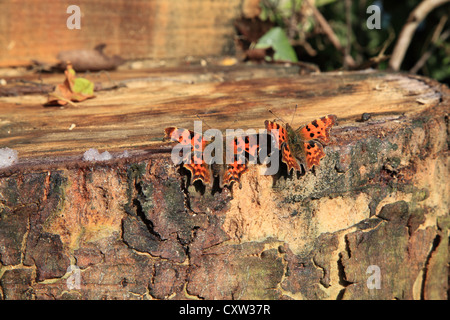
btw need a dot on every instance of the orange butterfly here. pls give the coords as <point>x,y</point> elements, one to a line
<point>303,146</point>
<point>200,170</point>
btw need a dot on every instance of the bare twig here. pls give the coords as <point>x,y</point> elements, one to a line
<point>432,44</point>
<point>305,65</point>
<point>308,48</point>
<point>292,23</point>
<point>387,43</point>
<point>420,63</point>
<point>404,39</point>
<point>348,60</point>
<point>348,19</point>
<point>375,61</point>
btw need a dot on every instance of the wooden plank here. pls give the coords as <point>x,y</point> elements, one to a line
<point>156,29</point>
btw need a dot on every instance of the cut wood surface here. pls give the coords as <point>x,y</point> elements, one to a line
<point>372,222</point>
<point>237,97</point>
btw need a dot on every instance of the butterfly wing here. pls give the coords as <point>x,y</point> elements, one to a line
<point>193,161</point>
<point>288,158</point>
<point>315,135</point>
<point>318,129</point>
<point>286,155</point>
<point>282,133</point>
<point>314,152</point>
<point>233,173</point>
<point>245,150</point>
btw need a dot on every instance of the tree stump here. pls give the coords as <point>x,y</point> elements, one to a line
<point>371,222</point>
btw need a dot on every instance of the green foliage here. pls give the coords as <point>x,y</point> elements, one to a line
<point>277,39</point>
<point>438,65</point>
<point>320,3</point>
<point>295,18</point>
<point>278,10</point>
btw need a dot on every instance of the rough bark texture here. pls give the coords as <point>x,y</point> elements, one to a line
<point>379,198</point>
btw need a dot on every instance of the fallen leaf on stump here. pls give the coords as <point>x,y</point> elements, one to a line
<point>72,90</point>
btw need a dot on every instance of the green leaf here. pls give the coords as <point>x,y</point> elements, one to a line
<point>277,39</point>
<point>320,3</point>
<point>83,86</point>
<point>264,15</point>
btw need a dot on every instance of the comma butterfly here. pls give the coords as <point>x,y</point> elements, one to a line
<point>303,146</point>
<point>195,163</point>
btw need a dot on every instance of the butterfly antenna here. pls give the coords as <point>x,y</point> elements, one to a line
<point>278,118</point>
<point>293,114</point>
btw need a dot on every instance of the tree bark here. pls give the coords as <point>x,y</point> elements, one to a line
<point>372,222</point>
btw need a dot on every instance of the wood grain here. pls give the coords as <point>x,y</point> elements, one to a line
<point>155,29</point>
<point>134,118</point>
